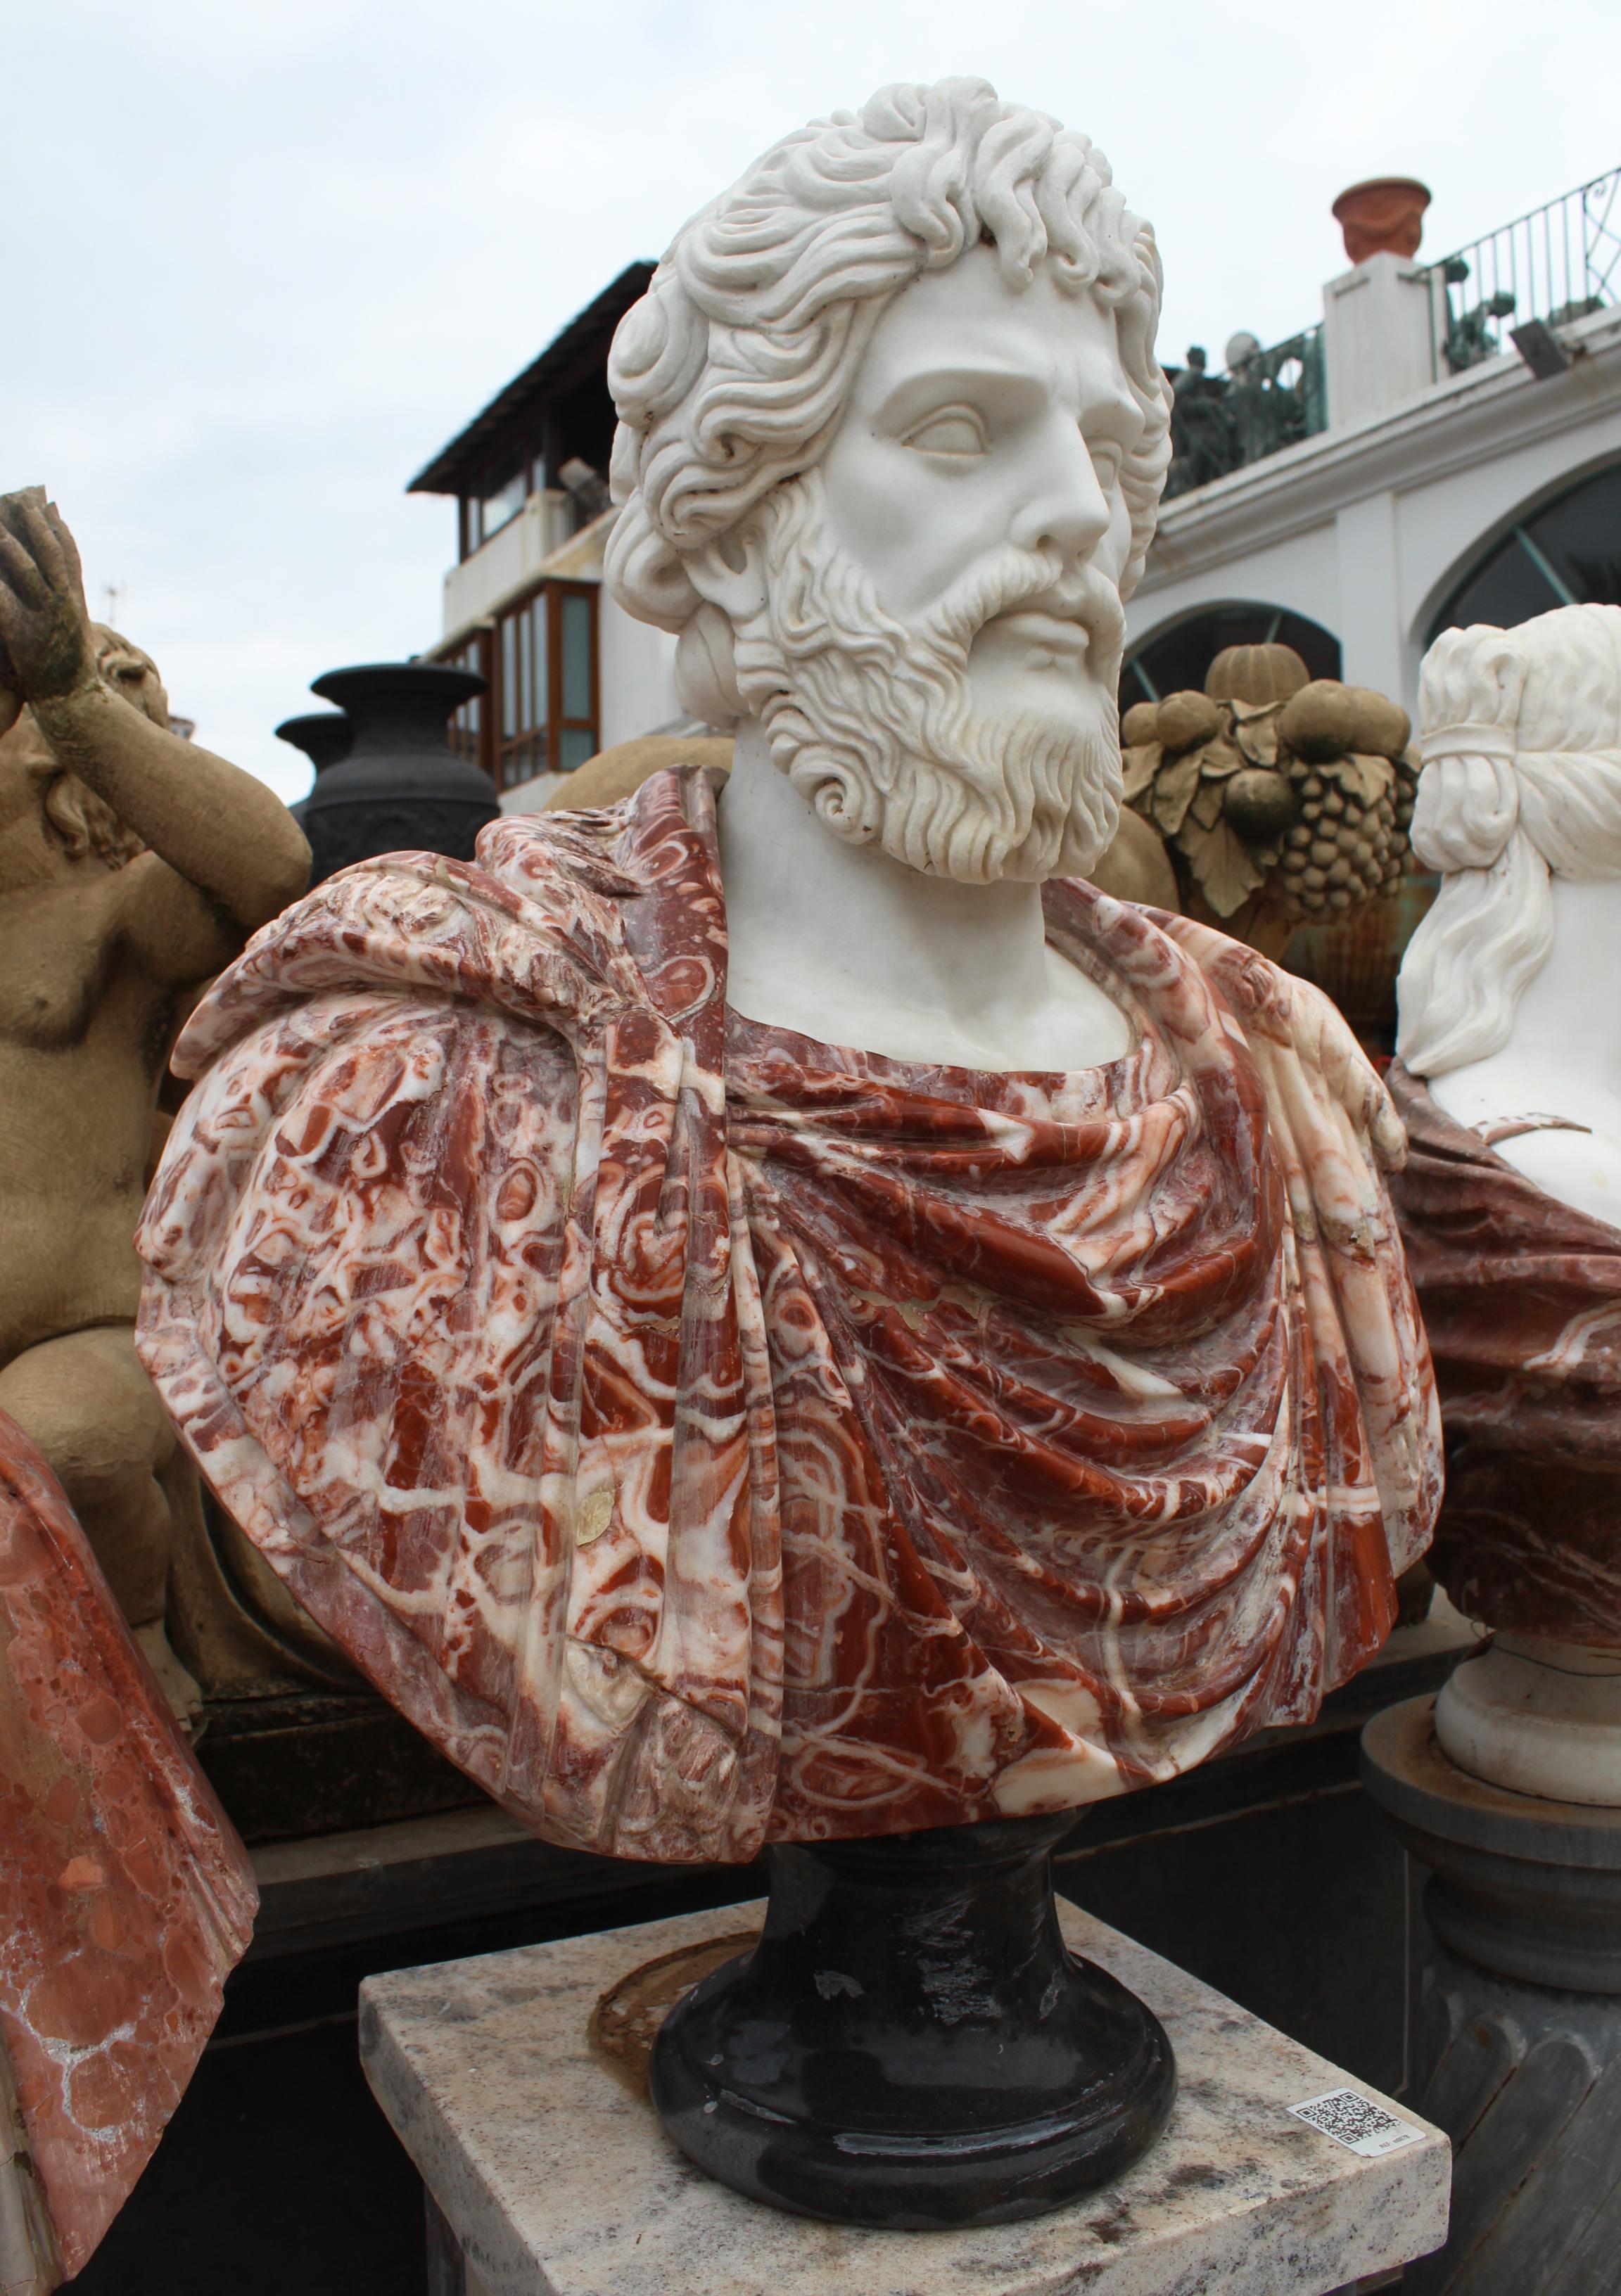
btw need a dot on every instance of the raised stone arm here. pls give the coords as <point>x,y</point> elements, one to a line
<point>216,827</point>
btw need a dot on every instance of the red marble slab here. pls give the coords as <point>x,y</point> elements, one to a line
<point>126,1899</point>
<point>705,1435</point>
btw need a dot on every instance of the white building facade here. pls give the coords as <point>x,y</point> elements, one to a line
<point>1430,497</point>
<point>1459,466</point>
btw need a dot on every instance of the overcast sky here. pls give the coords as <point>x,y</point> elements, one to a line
<point>259,258</point>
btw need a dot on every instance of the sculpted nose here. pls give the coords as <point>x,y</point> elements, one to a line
<point>1067,509</point>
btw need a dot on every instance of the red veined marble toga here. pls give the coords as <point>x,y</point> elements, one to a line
<point>1521,1294</point>
<point>706,1436</point>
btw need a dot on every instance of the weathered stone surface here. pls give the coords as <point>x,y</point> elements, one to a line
<point>124,1897</point>
<point>559,2182</point>
<point>133,865</point>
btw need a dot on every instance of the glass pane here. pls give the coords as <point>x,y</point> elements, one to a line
<point>576,656</point>
<point>1581,536</point>
<point>1176,660</point>
<point>506,638</point>
<point>575,745</point>
<point>526,667</point>
<point>1509,587</point>
<point>537,639</point>
<point>503,500</point>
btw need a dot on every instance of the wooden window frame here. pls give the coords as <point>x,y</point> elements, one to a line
<point>487,644</point>
<point>495,745</point>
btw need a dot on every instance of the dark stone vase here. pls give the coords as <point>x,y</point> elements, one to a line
<point>323,736</point>
<point>400,786</point>
<point>911,2045</point>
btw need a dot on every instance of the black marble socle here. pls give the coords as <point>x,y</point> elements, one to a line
<point>911,2045</point>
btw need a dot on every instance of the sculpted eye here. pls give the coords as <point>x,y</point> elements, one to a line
<point>956,430</point>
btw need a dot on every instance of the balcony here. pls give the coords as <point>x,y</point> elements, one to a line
<point>1392,328</point>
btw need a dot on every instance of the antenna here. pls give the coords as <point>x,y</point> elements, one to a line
<point>113,594</point>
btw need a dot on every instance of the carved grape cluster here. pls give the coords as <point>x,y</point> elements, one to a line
<point>1276,794</point>
<point>1350,843</point>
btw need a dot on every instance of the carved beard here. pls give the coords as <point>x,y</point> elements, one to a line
<point>873,719</point>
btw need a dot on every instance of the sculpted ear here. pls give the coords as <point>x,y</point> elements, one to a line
<point>63,803</point>
<point>730,575</point>
<point>83,824</point>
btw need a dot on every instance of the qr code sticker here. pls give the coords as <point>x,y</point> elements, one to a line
<point>1356,2122</point>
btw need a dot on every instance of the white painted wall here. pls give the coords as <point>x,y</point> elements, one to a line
<point>637,666</point>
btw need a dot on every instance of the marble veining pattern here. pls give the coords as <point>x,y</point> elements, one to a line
<point>126,1899</point>
<point>1521,1295</point>
<point>706,1435</point>
<point>567,2186</point>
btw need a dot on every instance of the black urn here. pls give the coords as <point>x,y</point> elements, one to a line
<point>323,736</point>
<point>400,786</point>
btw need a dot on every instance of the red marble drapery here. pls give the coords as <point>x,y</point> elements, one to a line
<point>126,1899</point>
<point>1521,1296</point>
<point>709,1436</point>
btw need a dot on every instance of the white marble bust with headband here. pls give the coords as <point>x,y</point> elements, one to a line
<point>1508,996</point>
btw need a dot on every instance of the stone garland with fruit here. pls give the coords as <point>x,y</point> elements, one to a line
<point>1282,800</point>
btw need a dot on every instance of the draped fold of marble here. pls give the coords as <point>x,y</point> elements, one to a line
<point>126,1899</point>
<point>705,1435</point>
<point>1521,1296</point>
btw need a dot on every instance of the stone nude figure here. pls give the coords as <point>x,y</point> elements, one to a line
<point>791,1315</point>
<point>133,866</point>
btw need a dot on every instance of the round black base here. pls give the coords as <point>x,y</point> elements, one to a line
<point>911,2045</point>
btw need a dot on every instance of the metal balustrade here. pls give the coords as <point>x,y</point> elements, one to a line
<point>1264,401</point>
<point>1557,264</point>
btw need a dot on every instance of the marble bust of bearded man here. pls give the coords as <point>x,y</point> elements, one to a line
<point>797,1316</point>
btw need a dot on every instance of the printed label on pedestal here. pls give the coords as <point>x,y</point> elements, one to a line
<point>1357,2122</point>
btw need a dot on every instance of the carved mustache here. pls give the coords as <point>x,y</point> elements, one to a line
<point>1014,580</point>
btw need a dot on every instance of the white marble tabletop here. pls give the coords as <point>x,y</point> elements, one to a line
<point>558,2180</point>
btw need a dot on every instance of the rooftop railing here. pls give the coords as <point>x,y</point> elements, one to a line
<point>1265,400</point>
<point>1557,264</point>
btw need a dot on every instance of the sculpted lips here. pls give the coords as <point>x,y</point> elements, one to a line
<point>1049,632</point>
<point>1052,633</point>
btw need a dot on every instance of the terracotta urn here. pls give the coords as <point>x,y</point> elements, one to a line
<point>1382,217</point>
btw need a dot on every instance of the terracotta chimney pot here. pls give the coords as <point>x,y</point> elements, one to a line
<point>1383,216</point>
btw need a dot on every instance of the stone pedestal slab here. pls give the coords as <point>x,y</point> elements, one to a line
<point>557,2180</point>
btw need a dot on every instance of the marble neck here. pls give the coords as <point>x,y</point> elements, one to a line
<point>843,942</point>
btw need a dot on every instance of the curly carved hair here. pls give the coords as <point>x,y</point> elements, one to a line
<point>1520,734</point>
<point>731,372</point>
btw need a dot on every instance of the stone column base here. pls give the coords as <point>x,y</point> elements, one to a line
<point>1515,2020</point>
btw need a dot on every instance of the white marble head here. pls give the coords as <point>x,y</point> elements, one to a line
<point>892,435</point>
<point>1520,734</point>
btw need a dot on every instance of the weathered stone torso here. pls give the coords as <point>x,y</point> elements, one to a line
<point>84,1036</point>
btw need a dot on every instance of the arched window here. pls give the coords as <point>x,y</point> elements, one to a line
<point>1567,554</point>
<point>1174,660</point>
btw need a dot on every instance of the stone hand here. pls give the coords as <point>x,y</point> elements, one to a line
<point>46,647</point>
